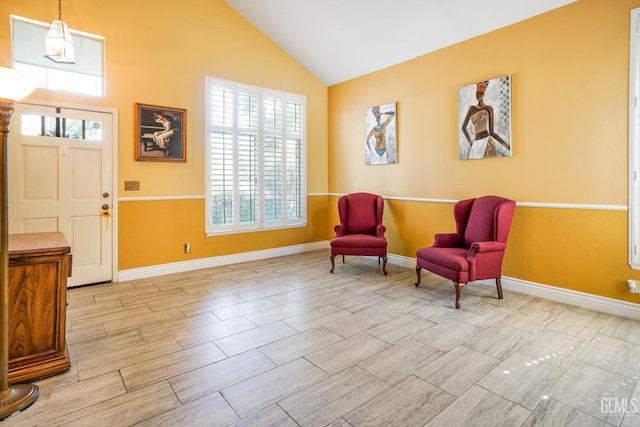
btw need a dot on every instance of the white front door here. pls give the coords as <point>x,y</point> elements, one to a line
<point>60,180</point>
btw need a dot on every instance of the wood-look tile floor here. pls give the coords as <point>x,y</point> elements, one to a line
<point>282,342</point>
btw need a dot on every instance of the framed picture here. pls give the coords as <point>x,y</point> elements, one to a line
<point>484,114</point>
<point>160,133</point>
<point>381,145</point>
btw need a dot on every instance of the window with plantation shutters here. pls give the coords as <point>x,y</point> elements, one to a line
<point>255,158</point>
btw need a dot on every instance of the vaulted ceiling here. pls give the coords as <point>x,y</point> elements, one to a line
<point>337,40</point>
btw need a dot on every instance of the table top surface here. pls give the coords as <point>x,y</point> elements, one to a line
<point>29,242</point>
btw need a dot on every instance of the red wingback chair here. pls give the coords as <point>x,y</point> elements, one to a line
<point>476,250</point>
<point>360,231</point>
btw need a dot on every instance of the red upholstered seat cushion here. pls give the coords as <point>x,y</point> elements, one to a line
<point>358,241</point>
<point>450,258</point>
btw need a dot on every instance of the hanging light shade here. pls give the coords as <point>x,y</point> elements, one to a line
<point>59,43</point>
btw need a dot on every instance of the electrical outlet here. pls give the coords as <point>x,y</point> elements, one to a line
<point>187,248</point>
<point>633,285</point>
<point>131,185</point>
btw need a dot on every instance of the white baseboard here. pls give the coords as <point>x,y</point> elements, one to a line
<point>582,299</point>
<point>567,296</point>
<point>402,261</point>
<point>180,267</point>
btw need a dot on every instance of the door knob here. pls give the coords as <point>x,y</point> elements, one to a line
<point>105,195</point>
<point>105,207</point>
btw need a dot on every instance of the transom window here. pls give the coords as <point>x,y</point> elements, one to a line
<point>85,76</point>
<point>61,127</point>
<point>256,169</point>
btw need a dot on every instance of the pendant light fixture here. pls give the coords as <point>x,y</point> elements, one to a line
<point>59,42</point>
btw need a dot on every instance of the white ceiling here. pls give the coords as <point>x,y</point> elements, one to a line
<point>337,40</point>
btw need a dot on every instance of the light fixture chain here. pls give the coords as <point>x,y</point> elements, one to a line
<point>60,10</point>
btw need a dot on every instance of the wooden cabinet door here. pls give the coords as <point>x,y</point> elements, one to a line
<point>38,267</point>
<point>34,309</point>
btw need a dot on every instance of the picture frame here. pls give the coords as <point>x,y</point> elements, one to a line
<point>484,119</point>
<point>381,140</point>
<point>160,133</point>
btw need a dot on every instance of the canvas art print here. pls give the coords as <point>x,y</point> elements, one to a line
<point>160,133</point>
<point>485,119</point>
<point>381,145</point>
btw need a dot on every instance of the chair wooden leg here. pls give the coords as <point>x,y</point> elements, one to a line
<point>332,264</point>
<point>343,259</point>
<point>459,287</point>
<point>418,274</point>
<point>499,286</point>
<point>384,264</point>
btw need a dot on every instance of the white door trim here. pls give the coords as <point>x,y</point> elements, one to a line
<point>634,140</point>
<point>114,167</point>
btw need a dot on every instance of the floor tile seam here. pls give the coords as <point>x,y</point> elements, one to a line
<point>180,350</point>
<point>622,340</point>
<point>412,374</point>
<point>576,410</point>
<point>182,310</point>
<point>304,355</point>
<point>632,393</point>
<point>213,340</point>
<point>635,378</point>
<point>112,331</point>
<point>66,414</point>
<point>184,403</point>
<point>584,342</point>
<point>502,397</point>
<point>484,328</point>
<point>224,398</point>
<point>253,329</point>
<point>319,367</point>
<point>76,358</point>
<point>218,390</point>
<point>264,296</point>
<point>565,330</point>
<point>245,301</point>
<point>308,386</point>
<point>281,305</point>
<point>388,387</point>
<point>119,368</point>
<point>541,363</point>
<point>212,293</point>
<point>287,413</point>
<point>95,317</point>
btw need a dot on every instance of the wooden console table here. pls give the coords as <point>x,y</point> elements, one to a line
<point>39,264</point>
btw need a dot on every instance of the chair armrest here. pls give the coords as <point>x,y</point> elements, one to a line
<point>449,240</point>
<point>340,229</point>
<point>492,246</point>
<point>380,230</point>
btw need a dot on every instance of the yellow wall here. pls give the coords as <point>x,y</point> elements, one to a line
<point>570,73</point>
<point>159,52</point>
<point>187,225</point>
